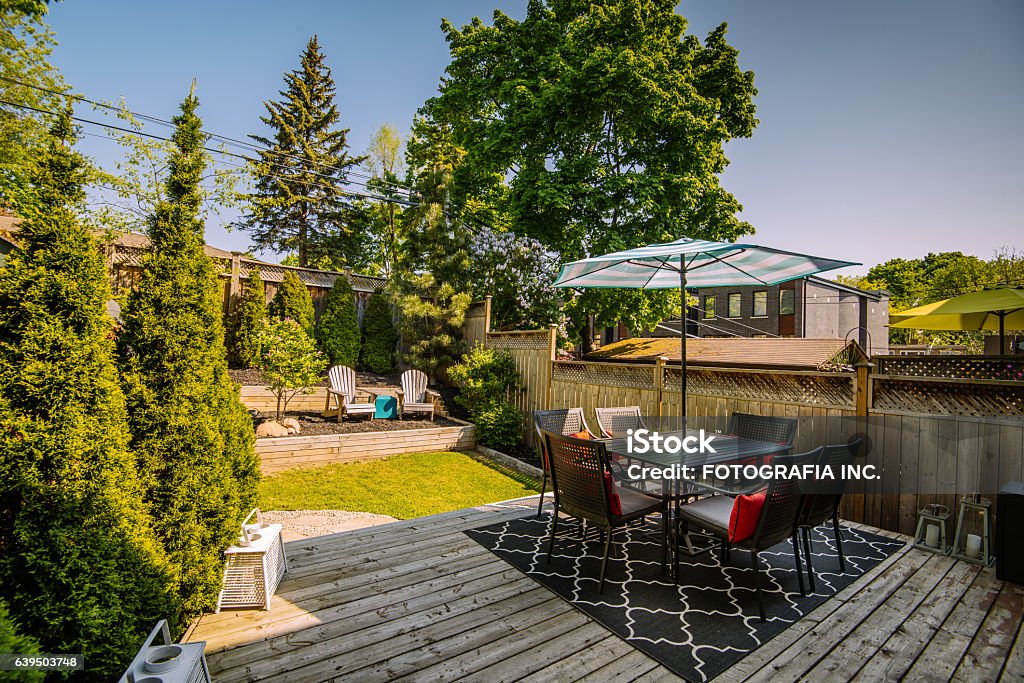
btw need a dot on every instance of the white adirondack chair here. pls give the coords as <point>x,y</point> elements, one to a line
<point>343,391</point>
<point>414,397</point>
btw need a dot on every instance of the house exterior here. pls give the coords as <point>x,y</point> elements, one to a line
<point>808,308</point>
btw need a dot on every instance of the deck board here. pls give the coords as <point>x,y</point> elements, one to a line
<point>419,601</point>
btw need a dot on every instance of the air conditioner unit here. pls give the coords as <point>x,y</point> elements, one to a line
<point>167,663</point>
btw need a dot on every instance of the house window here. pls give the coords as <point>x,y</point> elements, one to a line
<point>709,306</point>
<point>761,304</point>
<point>734,305</point>
<point>786,299</point>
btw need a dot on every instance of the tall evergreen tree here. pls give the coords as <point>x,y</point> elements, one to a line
<point>377,353</point>
<point>80,565</point>
<point>292,300</point>
<point>337,330</point>
<point>192,435</point>
<point>247,323</point>
<point>298,205</point>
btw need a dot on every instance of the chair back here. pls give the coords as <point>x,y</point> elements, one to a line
<point>414,385</point>
<point>822,496</point>
<point>782,503</point>
<point>762,428</point>
<point>615,422</point>
<point>578,475</point>
<point>565,422</point>
<point>343,381</point>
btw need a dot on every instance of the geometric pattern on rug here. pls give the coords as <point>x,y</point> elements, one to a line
<point>709,620</point>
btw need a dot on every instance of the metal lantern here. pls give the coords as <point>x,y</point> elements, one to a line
<point>167,663</point>
<point>973,539</point>
<point>254,566</point>
<point>933,529</point>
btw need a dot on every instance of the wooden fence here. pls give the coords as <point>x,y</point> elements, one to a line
<point>932,439</point>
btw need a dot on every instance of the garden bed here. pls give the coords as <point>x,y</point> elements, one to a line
<point>314,424</point>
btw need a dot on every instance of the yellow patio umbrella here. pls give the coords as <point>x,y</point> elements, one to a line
<point>989,309</point>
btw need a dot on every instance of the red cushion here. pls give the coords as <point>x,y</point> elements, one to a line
<point>746,511</point>
<point>610,433</point>
<point>581,435</point>
<point>614,502</point>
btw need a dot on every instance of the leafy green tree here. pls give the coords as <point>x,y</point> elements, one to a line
<point>597,126</point>
<point>247,323</point>
<point>193,437</point>
<point>11,641</point>
<point>292,300</point>
<point>79,563</point>
<point>26,43</point>
<point>385,161</point>
<point>337,329</point>
<point>377,353</point>
<point>290,361</point>
<point>431,317</point>
<point>298,204</point>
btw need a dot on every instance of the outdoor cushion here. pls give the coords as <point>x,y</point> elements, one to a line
<point>631,501</point>
<point>614,501</point>
<point>581,435</point>
<point>711,513</point>
<point>746,511</point>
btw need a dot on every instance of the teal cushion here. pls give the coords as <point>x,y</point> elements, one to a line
<point>387,408</point>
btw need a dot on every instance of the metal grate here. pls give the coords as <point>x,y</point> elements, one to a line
<point>948,398</point>
<point>958,367</point>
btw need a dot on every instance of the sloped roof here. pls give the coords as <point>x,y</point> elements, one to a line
<point>782,354</point>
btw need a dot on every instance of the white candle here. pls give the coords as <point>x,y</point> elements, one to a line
<point>973,546</point>
<point>931,536</point>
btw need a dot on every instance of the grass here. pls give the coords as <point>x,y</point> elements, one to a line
<point>402,486</point>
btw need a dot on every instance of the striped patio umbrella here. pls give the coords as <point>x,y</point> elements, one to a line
<point>694,263</point>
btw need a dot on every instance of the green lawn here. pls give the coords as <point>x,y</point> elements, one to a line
<point>403,486</point>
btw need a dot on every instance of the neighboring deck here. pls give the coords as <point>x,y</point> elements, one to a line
<point>420,600</point>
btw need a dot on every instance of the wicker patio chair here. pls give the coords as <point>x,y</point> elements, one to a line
<point>586,490</point>
<point>615,422</point>
<point>565,422</point>
<point>776,521</point>
<point>821,501</point>
<point>763,428</point>
<point>414,397</point>
<point>343,391</point>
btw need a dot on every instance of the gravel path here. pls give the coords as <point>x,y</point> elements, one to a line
<point>300,524</point>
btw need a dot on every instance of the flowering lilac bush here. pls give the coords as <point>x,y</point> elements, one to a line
<point>518,273</point>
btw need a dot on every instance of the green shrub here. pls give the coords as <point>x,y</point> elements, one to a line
<point>486,379</point>
<point>292,300</point>
<point>499,425</point>
<point>378,349</point>
<point>191,433</point>
<point>12,642</point>
<point>247,323</point>
<point>290,362</point>
<point>80,565</point>
<point>337,330</point>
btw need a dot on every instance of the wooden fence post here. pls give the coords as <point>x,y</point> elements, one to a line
<point>552,355</point>
<point>861,383</point>
<point>659,380</point>
<point>487,315</point>
<point>235,288</point>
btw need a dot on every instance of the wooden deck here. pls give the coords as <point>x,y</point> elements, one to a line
<point>419,600</point>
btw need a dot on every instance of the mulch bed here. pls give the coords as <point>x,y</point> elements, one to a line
<point>314,425</point>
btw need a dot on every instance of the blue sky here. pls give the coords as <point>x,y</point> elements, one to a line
<point>887,128</point>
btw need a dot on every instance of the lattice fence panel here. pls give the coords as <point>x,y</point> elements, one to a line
<point>956,367</point>
<point>948,398</point>
<point>826,389</point>
<point>629,376</point>
<point>518,340</point>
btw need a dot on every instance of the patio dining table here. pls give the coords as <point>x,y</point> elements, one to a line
<point>729,450</point>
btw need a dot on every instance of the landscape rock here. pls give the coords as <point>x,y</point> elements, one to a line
<point>292,425</point>
<point>271,428</point>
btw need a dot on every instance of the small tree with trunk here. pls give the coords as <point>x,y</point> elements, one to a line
<point>290,362</point>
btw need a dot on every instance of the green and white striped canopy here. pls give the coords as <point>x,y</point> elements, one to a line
<point>707,264</point>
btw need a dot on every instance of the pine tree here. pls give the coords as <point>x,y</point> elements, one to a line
<point>298,205</point>
<point>292,300</point>
<point>80,565</point>
<point>378,346</point>
<point>193,437</point>
<point>337,330</point>
<point>247,323</point>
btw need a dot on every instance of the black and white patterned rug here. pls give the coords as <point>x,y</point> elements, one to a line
<point>708,621</point>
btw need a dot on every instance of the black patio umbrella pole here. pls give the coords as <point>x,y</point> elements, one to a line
<point>682,337</point>
<point>1002,332</point>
